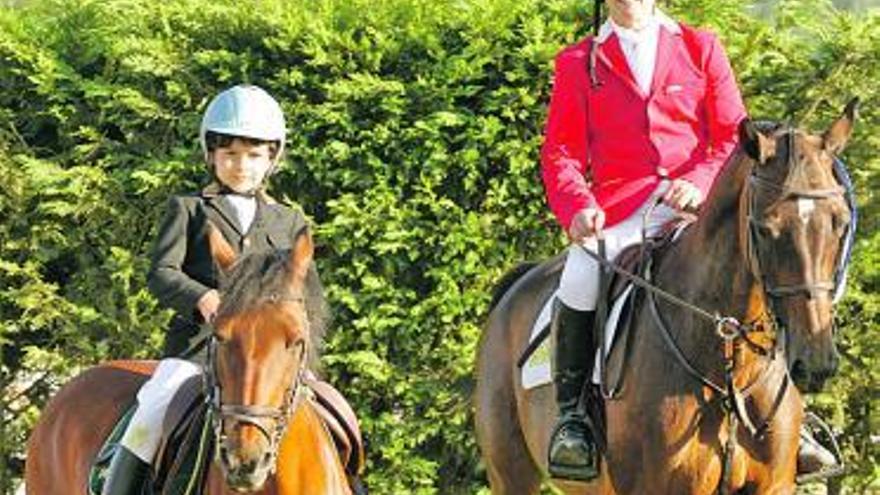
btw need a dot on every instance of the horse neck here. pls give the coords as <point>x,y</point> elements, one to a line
<point>709,268</point>
<point>308,459</point>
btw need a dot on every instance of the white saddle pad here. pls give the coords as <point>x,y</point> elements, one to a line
<point>536,370</point>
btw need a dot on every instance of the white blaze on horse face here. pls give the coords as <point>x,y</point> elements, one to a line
<point>805,207</point>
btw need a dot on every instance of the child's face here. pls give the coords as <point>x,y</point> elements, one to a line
<point>241,166</point>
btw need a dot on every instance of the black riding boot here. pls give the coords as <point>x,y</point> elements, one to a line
<point>572,453</point>
<point>128,474</point>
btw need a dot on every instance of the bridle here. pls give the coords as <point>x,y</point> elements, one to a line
<point>809,289</point>
<point>254,414</point>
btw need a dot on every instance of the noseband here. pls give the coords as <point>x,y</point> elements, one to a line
<point>253,414</point>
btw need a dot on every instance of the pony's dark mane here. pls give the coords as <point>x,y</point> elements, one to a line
<point>259,277</point>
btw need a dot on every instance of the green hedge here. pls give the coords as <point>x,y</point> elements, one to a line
<point>414,136</point>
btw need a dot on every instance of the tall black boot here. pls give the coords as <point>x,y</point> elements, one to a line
<point>572,453</point>
<point>128,474</point>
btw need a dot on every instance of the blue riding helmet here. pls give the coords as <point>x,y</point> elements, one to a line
<point>245,111</point>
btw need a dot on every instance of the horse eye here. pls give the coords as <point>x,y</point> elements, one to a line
<point>765,230</point>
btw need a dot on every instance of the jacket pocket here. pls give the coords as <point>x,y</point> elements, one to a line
<point>683,100</point>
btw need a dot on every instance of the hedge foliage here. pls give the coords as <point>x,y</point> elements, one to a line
<point>413,146</point>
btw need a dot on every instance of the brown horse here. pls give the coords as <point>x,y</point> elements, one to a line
<point>269,437</point>
<point>764,252</point>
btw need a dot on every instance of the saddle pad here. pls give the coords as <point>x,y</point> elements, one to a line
<point>536,370</point>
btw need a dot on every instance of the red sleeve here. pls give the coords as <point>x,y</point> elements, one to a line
<point>564,155</point>
<point>724,111</point>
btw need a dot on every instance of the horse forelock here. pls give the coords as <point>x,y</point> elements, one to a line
<point>256,279</point>
<point>801,161</point>
<point>260,279</point>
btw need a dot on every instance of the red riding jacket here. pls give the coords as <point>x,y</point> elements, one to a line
<point>627,141</point>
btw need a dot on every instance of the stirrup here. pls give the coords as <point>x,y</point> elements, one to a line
<point>586,472</point>
<point>815,424</point>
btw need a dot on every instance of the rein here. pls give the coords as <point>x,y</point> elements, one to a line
<point>255,414</point>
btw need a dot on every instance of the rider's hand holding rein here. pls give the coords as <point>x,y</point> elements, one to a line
<point>683,196</point>
<point>208,305</point>
<point>586,223</point>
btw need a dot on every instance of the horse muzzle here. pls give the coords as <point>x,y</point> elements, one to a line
<point>811,367</point>
<point>245,472</point>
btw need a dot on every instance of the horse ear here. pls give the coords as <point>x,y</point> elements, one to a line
<point>221,251</point>
<point>756,145</point>
<point>301,255</point>
<point>836,137</point>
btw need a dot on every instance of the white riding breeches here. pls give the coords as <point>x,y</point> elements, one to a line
<point>579,282</point>
<point>144,432</point>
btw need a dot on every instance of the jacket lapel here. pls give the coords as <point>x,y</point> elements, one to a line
<point>667,44</point>
<point>220,211</point>
<point>259,215</point>
<point>612,56</point>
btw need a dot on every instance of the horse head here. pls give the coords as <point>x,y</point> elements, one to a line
<point>798,218</point>
<point>257,355</point>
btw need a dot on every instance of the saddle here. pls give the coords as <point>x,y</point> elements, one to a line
<point>187,446</point>
<point>613,286</point>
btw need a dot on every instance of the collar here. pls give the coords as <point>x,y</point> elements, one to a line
<point>215,189</point>
<point>660,18</point>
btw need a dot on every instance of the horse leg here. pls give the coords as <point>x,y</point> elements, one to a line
<point>508,462</point>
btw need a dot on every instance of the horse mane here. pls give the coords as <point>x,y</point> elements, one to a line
<point>261,276</point>
<point>508,280</point>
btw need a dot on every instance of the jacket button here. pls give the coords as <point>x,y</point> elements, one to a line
<point>662,172</point>
<point>246,242</point>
